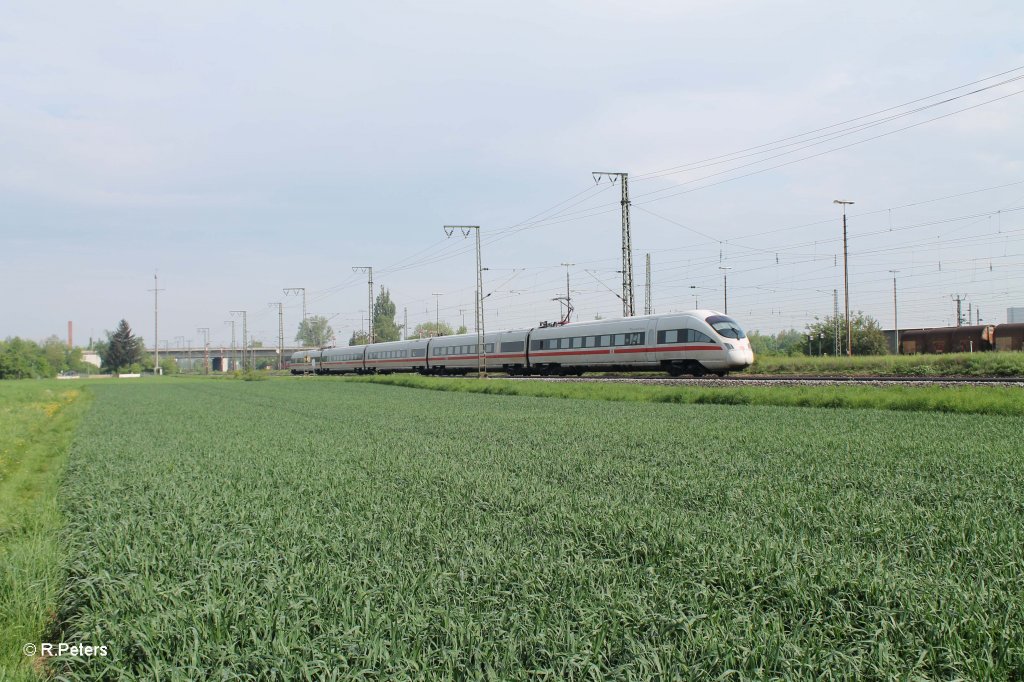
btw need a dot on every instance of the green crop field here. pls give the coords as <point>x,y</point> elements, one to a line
<point>294,529</point>
<point>1001,364</point>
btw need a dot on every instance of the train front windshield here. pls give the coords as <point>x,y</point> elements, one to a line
<point>726,326</point>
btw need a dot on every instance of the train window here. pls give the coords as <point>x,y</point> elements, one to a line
<point>635,339</point>
<point>620,340</point>
<point>577,342</point>
<point>418,352</point>
<point>590,341</point>
<point>536,344</point>
<point>488,347</point>
<point>563,343</point>
<point>726,326</point>
<point>668,336</point>
<point>512,347</point>
<point>694,336</point>
<point>604,340</point>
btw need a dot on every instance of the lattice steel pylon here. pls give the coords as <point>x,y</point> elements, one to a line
<point>647,288</point>
<point>628,305</point>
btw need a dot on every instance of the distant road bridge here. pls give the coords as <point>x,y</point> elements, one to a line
<point>224,359</point>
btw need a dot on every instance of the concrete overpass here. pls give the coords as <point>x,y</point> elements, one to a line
<point>223,359</point>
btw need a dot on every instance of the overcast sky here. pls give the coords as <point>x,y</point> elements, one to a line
<point>240,148</point>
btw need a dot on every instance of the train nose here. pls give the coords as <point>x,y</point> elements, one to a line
<point>740,355</point>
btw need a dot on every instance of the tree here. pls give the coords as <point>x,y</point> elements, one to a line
<point>425,329</point>
<point>23,359</point>
<point>462,329</point>
<point>384,326</point>
<point>169,365</point>
<point>786,342</point>
<point>56,353</point>
<point>314,331</point>
<point>123,348</point>
<point>359,338</point>
<point>867,335</point>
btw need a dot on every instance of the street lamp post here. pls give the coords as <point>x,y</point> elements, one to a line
<point>846,280</point>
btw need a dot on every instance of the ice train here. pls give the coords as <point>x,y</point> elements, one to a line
<point>696,342</point>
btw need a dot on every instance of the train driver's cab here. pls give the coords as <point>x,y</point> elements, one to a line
<point>735,340</point>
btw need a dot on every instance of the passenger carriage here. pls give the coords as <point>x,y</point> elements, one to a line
<point>343,360</point>
<point>305,362</point>
<point>397,356</point>
<point>460,354</point>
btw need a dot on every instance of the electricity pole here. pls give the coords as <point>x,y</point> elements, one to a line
<point>205,331</point>
<point>280,333</point>
<point>725,284</point>
<point>647,288</point>
<point>156,326</point>
<point>405,323</point>
<point>835,322</point>
<point>481,357</point>
<point>369,313</point>
<point>437,313</point>
<point>295,291</point>
<point>846,281</point>
<point>959,298</point>
<point>234,352</point>
<point>245,330</point>
<point>895,313</point>
<point>628,308</point>
<point>568,295</point>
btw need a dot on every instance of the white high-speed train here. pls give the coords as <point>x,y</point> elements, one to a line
<point>697,342</point>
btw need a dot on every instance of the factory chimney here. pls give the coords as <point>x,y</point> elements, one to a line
<point>70,340</point>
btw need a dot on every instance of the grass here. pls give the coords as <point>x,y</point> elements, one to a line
<point>344,530</point>
<point>37,419</point>
<point>1004,364</point>
<point>1005,400</point>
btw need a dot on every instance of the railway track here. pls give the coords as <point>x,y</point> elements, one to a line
<point>784,380</point>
